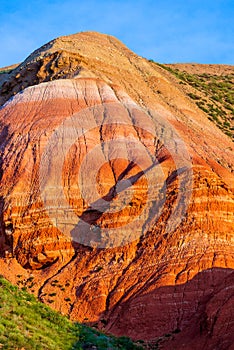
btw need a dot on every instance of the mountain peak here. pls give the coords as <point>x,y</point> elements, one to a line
<point>88,54</point>
<point>86,43</point>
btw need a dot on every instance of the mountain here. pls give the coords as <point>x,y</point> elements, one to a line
<point>117,191</point>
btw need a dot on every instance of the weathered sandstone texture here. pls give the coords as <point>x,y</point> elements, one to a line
<point>117,195</point>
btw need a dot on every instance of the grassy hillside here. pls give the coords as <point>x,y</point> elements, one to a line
<point>8,69</point>
<point>26,324</point>
<point>212,93</point>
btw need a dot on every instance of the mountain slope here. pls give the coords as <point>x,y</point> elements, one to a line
<point>28,324</point>
<point>117,194</point>
<point>212,89</point>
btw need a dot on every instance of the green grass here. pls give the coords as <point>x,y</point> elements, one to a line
<point>25,323</point>
<point>214,95</point>
<point>3,71</point>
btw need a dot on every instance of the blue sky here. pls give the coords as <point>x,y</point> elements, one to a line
<point>199,31</point>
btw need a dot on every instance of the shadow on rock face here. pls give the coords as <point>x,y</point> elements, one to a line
<point>195,315</point>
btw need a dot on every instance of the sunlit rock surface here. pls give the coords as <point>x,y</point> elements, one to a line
<point>117,201</point>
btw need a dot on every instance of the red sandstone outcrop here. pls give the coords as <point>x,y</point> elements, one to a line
<point>117,201</point>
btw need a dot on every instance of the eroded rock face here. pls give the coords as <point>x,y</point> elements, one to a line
<point>55,175</point>
<point>117,206</point>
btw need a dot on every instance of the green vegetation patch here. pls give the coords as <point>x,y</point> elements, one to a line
<point>25,323</point>
<point>215,96</point>
<point>4,71</point>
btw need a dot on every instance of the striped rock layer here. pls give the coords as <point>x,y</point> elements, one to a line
<point>117,201</point>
